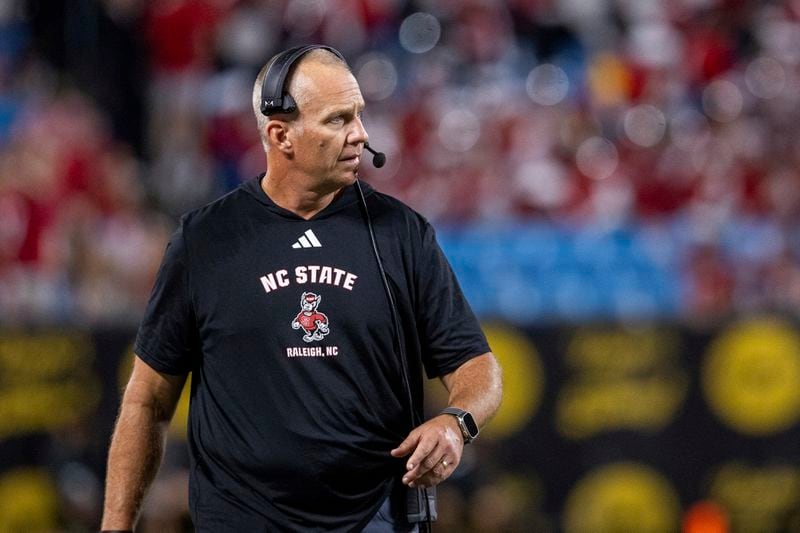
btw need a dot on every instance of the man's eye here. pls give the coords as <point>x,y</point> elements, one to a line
<point>337,119</point>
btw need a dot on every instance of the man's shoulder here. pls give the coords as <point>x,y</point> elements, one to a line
<point>385,208</point>
<point>225,209</point>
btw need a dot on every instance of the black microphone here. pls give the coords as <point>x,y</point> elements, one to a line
<point>378,158</point>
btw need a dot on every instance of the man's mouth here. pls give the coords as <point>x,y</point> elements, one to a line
<point>354,159</point>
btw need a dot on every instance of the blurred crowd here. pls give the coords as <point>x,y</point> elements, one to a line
<point>118,115</point>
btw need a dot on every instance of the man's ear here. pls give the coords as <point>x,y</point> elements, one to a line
<point>277,133</point>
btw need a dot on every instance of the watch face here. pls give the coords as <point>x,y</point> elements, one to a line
<point>471,426</point>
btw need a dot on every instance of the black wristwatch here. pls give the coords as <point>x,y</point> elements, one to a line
<point>469,429</point>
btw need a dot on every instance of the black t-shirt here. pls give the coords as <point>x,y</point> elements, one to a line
<point>297,390</point>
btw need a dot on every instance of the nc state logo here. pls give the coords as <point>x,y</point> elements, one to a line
<point>313,323</point>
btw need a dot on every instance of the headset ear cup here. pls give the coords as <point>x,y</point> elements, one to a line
<point>289,105</point>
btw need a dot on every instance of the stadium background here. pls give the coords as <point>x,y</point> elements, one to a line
<point>616,183</point>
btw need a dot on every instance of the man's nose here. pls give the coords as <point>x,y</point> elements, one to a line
<point>358,134</point>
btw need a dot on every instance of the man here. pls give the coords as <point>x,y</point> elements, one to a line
<point>300,416</point>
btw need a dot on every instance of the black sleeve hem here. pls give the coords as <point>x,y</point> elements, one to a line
<point>456,361</point>
<point>155,363</point>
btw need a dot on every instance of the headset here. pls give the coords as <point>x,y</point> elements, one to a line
<point>420,503</point>
<point>275,99</point>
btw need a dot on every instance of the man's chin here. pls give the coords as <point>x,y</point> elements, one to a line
<point>350,177</point>
<point>342,178</point>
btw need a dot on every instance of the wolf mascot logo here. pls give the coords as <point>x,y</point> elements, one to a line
<point>313,323</point>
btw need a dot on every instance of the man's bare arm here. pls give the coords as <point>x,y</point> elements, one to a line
<point>138,442</point>
<point>477,387</point>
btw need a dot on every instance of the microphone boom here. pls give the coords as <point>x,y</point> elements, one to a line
<point>378,158</point>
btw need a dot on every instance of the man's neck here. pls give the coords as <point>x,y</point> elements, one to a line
<point>290,193</point>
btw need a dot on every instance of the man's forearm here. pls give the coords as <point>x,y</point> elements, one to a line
<point>477,387</point>
<point>133,460</point>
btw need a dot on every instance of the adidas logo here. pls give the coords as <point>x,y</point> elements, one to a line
<point>307,240</point>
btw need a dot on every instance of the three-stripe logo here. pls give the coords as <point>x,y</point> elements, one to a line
<point>307,240</point>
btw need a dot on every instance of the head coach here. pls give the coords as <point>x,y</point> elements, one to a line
<point>306,305</point>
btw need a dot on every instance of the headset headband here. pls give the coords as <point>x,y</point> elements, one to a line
<point>273,99</point>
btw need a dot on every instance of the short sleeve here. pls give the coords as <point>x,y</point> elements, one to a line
<point>168,339</point>
<point>450,332</point>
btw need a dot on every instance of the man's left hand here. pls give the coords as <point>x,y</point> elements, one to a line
<point>435,449</point>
